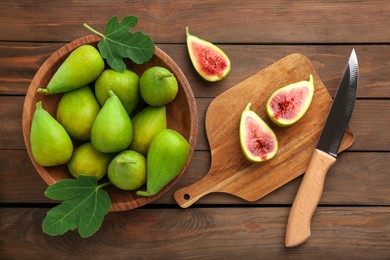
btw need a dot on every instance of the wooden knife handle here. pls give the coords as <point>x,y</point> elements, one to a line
<point>307,198</point>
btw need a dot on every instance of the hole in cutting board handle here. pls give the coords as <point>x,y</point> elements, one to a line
<point>186,196</point>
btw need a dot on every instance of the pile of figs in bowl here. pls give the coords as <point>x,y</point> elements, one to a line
<point>181,116</point>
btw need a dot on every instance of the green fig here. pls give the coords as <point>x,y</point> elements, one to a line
<point>124,84</point>
<point>288,104</point>
<point>112,130</point>
<point>81,67</point>
<point>127,170</point>
<point>146,124</point>
<point>168,152</point>
<point>77,111</point>
<point>158,86</point>
<point>258,141</point>
<point>209,61</point>
<point>89,161</point>
<point>50,143</point>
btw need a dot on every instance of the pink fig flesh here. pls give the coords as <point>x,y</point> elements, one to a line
<point>288,104</point>
<point>208,60</point>
<point>257,139</point>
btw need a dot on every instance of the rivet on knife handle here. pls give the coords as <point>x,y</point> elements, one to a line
<point>307,198</point>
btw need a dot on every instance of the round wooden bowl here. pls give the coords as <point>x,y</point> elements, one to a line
<point>181,116</point>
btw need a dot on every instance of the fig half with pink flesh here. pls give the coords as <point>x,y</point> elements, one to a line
<point>209,61</point>
<point>258,141</point>
<point>288,104</point>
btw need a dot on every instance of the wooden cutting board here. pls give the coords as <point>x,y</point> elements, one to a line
<point>230,172</point>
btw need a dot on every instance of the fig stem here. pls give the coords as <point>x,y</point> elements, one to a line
<point>38,105</point>
<point>43,90</point>
<point>103,185</point>
<point>187,31</point>
<point>310,79</point>
<point>162,75</point>
<point>93,30</point>
<point>124,161</point>
<point>248,106</point>
<point>111,93</point>
<point>143,193</point>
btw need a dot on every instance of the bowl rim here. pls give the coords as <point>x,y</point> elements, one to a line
<point>61,53</point>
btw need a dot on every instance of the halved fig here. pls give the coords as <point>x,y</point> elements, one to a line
<point>258,141</point>
<point>288,104</point>
<point>209,61</point>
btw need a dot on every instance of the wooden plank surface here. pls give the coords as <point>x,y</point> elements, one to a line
<point>353,218</point>
<point>248,21</point>
<point>19,61</point>
<point>202,233</point>
<point>366,123</point>
<point>347,183</point>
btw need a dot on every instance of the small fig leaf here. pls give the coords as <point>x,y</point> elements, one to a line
<point>84,207</point>
<point>118,43</point>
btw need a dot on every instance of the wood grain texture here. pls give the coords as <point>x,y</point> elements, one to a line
<point>19,62</point>
<point>366,123</point>
<point>203,233</point>
<point>251,21</point>
<point>358,178</point>
<point>298,228</point>
<point>230,172</point>
<point>254,34</point>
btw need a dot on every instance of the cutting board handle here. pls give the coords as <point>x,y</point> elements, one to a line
<point>187,196</point>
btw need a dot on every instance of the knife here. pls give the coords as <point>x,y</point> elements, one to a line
<point>324,156</point>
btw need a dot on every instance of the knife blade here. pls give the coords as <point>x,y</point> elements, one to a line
<point>324,156</point>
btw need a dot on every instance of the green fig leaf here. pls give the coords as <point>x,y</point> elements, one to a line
<point>91,221</point>
<point>118,43</point>
<point>64,217</point>
<point>71,188</point>
<point>84,207</point>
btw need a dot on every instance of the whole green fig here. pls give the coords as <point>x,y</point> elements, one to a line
<point>158,86</point>
<point>77,111</point>
<point>146,124</point>
<point>50,143</point>
<point>89,161</point>
<point>167,154</point>
<point>81,67</point>
<point>127,170</point>
<point>112,130</point>
<point>124,84</point>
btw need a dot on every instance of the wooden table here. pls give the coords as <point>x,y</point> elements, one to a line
<point>353,218</point>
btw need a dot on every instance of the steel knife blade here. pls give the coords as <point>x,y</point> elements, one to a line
<point>324,156</point>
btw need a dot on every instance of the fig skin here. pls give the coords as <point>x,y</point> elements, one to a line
<point>209,61</point>
<point>146,124</point>
<point>127,171</point>
<point>81,67</point>
<point>124,84</point>
<point>89,161</point>
<point>50,143</point>
<point>77,111</point>
<point>158,86</point>
<point>286,99</point>
<point>258,141</point>
<point>168,152</point>
<point>112,130</point>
